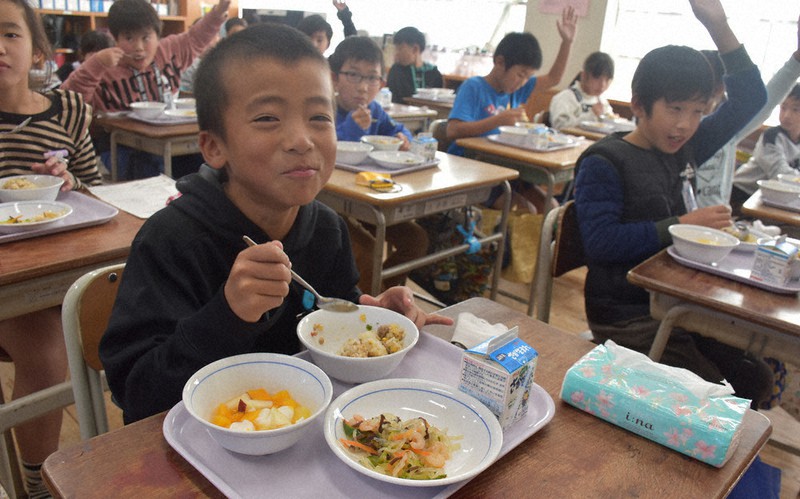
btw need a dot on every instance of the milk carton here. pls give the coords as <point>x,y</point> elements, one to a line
<point>499,372</point>
<point>773,262</point>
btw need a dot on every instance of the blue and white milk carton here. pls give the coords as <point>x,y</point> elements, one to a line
<point>499,372</point>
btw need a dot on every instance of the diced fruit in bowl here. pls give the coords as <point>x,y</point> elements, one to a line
<point>359,346</point>
<point>352,153</point>
<point>148,110</point>
<point>248,384</point>
<point>383,142</point>
<point>779,191</point>
<point>30,188</point>
<point>702,244</point>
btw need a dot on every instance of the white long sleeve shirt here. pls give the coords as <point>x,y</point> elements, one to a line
<point>571,106</point>
<point>714,178</point>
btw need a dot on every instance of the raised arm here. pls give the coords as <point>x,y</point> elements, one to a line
<point>712,15</point>
<point>567,27</point>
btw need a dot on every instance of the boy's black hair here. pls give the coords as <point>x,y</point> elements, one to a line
<point>520,48</point>
<point>356,48</point>
<point>315,23</point>
<point>410,36</point>
<point>795,93</point>
<point>94,41</point>
<point>127,16</point>
<point>673,73</point>
<point>234,21</point>
<point>279,42</point>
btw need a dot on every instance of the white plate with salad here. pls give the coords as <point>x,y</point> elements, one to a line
<point>29,215</point>
<point>471,432</point>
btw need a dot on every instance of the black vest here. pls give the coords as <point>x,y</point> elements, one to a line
<point>651,182</point>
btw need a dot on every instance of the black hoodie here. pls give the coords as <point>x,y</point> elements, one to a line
<point>171,317</point>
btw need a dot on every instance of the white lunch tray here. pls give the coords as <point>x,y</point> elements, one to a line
<point>554,146</point>
<point>86,211</point>
<point>369,165</point>
<point>310,468</point>
<point>736,266</point>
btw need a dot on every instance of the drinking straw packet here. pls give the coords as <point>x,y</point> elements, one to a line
<point>668,405</point>
<point>499,372</point>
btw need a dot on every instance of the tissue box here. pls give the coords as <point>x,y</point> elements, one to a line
<point>499,372</point>
<point>655,406</point>
<point>773,262</point>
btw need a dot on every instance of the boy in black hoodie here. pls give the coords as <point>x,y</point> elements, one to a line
<point>193,292</point>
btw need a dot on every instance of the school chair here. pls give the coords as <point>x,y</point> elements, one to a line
<point>438,129</point>
<point>85,313</point>
<point>22,410</point>
<point>560,250</point>
<point>538,105</point>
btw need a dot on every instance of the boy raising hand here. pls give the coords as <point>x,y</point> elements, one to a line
<point>631,187</point>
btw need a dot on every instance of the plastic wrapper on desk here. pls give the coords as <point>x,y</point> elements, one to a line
<point>667,405</point>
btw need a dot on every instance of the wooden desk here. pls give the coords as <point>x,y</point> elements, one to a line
<point>549,168</point>
<point>575,455</point>
<point>415,118</point>
<point>755,207</point>
<point>456,182</point>
<point>442,107</point>
<point>163,140</point>
<point>734,313</point>
<point>36,273</point>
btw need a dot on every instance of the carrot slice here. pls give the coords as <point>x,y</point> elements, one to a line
<point>358,445</point>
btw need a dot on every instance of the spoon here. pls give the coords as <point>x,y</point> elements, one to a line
<point>20,126</point>
<point>323,302</point>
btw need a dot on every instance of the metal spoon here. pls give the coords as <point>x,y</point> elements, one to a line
<point>20,126</point>
<point>323,302</point>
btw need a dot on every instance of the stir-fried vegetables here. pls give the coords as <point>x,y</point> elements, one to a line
<point>410,449</point>
<point>45,215</point>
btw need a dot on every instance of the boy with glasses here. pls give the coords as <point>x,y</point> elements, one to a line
<point>357,69</point>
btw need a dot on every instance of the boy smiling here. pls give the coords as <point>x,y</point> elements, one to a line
<point>631,187</point>
<point>193,292</point>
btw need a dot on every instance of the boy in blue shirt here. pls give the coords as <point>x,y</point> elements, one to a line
<point>193,291</point>
<point>484,103</point>
<point>631,187</point>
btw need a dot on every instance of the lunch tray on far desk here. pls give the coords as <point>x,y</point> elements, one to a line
<point>369,165</point>
<point>792,206</point>
<point>553,146</point>
<point>310,468</point>
<point>164,119</point>
<point>736,266</point>
<point>86,211</point>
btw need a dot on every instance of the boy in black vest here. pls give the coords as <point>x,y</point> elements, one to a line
<point>631,187</point>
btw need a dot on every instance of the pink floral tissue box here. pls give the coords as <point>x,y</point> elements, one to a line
<point>670,406</point>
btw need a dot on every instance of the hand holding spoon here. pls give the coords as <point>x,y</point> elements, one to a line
<point>323,302</point>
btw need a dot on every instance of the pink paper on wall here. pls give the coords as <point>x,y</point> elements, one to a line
<point>556,6</point>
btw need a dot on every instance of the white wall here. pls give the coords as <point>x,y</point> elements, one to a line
<point>587,39</point>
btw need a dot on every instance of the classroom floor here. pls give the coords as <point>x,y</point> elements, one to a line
<point>568,314</point>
